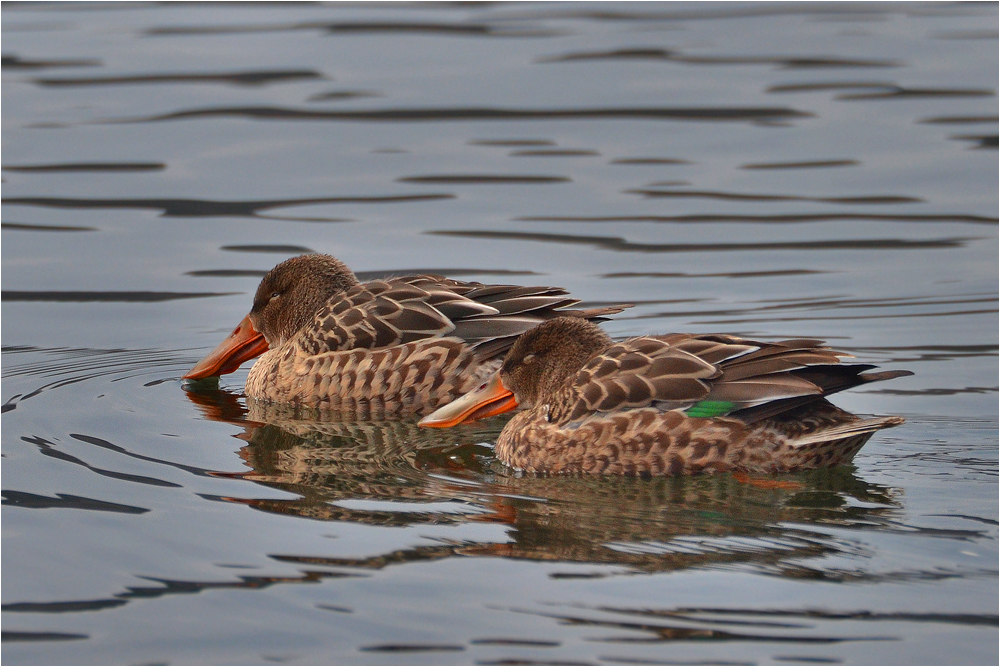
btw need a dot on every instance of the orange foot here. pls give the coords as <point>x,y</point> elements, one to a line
<point>744,478</point>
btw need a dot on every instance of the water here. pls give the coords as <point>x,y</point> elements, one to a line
<point>770,170</point>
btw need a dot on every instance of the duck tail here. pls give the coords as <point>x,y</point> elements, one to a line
<point>883,375</point>
<point>846,431</point>
<point>597,314</point>
<point>837,444</point>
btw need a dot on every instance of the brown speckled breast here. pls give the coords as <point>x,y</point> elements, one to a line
<point>408,379</point>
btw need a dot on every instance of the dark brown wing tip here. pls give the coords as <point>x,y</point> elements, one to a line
<point>884,375</point>
<point>593,313</point>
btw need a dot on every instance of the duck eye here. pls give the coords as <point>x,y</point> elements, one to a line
<point>528,358</point>
<point>274,296</point>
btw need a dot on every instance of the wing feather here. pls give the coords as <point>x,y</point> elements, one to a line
<point>677,371</point>
<point>394,311</point>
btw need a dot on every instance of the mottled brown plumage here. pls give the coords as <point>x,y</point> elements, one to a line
<point>676,404</point>
<point>388,347</point>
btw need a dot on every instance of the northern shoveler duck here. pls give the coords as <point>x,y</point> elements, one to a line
<point>676,404</point>
<point>397,346</point>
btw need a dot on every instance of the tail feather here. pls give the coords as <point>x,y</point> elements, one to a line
<point>833,445</point>
<point>884,375</point>
<point>829,379</point>
<point>597,314</point>
<point>846,431</point>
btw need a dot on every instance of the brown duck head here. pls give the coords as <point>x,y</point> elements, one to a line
<point>286,300</point>
<point>537,366</point>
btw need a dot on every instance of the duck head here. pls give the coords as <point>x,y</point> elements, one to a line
<point>537,366</point>
<point>286,300</point>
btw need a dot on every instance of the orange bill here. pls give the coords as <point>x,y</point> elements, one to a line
<point>243,344</point>
<point>492,398</point>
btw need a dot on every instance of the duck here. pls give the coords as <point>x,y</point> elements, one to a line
<point>674,404</point>
<point>393,347</point>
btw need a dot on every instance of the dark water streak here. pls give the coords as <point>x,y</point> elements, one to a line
<point>23,227</point>
<point>15,62</point>
<point>251,78</point>
<point>803,62</point>
<point>200,208</point>
<point>108,297</point>
<point>774,218</point>
<point>737,196</point>
<point>87,166</point>
<point>621,245</point>
<point>403,115</point>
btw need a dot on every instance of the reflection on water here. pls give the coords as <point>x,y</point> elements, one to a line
<point>397,474</point>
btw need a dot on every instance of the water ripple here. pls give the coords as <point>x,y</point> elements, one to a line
<point>452,114</point>
<point>268,248</point>
<point>16,636</point>
<point>23,227</point>
<point>960,120</point>
<point>356,27</point>
<point>87,167</point>
<point>732,274</point>
<point>986,141</point>
<point>16,62</point>
<point>771,218</point>
<point>650,161</point>
<point>90,296</point>
<point>68,366</point>
<point>48,448</point>
<point>186,208</point>
<point>797,62</point>
<point>898,92</point>
<point>66,501</point>
<point>618,244</point>
<point>511,142</point>
<point>484,179</point>
<point>740,196</point>
<point>554,152</point>
<point>61,607</point>
<point>812,309</point>
<point>809,164</point>
<point>248,78</point>
<point>801,617</point>
<point>662,631</point>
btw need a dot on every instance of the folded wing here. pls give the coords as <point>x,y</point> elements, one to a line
<point>385,313</point>
<point>712,375</point>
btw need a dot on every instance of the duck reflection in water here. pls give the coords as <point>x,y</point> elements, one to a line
<point>643,524</point>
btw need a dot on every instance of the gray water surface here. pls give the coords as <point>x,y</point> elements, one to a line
<point>774,170</point>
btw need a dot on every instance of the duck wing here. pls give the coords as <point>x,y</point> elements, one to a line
<point>519,309</point>
<point>395,311</point>
<point>711,375</point>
